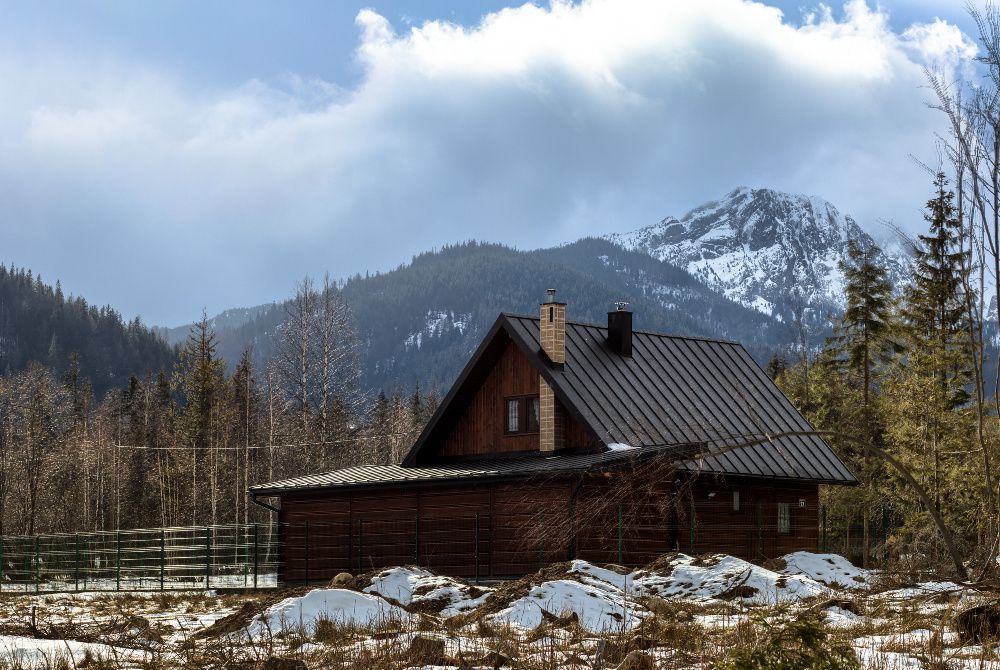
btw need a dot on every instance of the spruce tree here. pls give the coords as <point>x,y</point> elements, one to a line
<point>935,316</point>
<point>861,342</point>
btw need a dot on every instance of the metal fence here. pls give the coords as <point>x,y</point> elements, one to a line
<point>477,546</point>
<point>209,557</point>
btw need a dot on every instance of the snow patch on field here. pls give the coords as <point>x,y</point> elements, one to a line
<point>414,586</point>
<point>27,652</point>
<point>343,607</point>
<point>597,609</point>
<point>830,569</point>
<point>720,577</point>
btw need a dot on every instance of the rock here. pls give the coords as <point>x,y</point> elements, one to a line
<point>425,651</point>
<point>276,663</point>
<point>342,579</point>
<point>637,660</point>
<point>979,623</point>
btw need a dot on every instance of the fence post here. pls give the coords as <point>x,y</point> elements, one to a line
<point>885,540</point>
<point>416,539</point>
<point>118,561</point>
<point>360,559</point>
<point>307,552</point>
<point>694,524</point>
<point>38,564</point>
<point>76,562</point>
<point>760,531</point>
<point>477,547</point>
<point>208,556</point>
<point>823,514</point>
<point>541,541</point>
<point>621,553</point>
<point>1,562</point>
<point>163,556</point>
<point>255,557</point>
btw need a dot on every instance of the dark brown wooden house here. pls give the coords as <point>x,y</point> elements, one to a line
<point>563,439</point>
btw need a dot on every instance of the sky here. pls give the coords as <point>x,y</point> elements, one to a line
<point>170,157</point>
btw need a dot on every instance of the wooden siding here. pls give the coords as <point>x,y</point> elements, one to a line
<point>752,531</point>
<point>499,530</point>
<point>480,430</point>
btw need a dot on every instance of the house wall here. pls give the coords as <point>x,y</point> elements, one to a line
<point>500,530</point>
<point>480,429</point>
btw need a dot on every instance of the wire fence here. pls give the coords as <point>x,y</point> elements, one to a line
<point>474,545</point>
<point>210,557</point>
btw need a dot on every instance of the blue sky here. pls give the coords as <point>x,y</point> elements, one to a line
<point>164,157</point>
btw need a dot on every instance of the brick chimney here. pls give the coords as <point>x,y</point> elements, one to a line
<point>552,335</point>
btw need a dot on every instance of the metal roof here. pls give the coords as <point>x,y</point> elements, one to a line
<point>685,390</point>
<point>680,394</point>
<point>499,468</point>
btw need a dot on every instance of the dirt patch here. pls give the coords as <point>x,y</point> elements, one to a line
<point>741,591</point>
<point>775,564</point>
<point>508,592</point>
<point>240,619</point>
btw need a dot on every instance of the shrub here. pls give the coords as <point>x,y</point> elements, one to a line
<point>797,644</point>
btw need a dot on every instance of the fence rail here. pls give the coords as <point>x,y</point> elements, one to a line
<point>474,545</point>
<point>230,556</point>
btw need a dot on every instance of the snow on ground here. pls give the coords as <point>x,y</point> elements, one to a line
<point>341,606</point>
<point>27,652</point>
<point>598,609</point>
<point>705,598</point>
<point>714,578</point>
<point>925,590</point>
<point>414,586</point>
<point>831,569</point>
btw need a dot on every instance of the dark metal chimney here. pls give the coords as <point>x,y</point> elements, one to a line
<point>620,330</point>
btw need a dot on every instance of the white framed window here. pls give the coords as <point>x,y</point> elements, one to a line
<point>513,416</point>
<point>784,517</point>
<point>736,501</point>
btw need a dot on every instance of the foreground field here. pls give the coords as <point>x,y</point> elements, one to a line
<point>807,610</point>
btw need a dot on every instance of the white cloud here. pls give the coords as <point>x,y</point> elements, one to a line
<point>537,126</point>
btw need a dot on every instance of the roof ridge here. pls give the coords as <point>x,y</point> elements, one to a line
<point>586,324</point>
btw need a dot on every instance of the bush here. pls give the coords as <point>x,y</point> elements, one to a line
<point>798,644</point>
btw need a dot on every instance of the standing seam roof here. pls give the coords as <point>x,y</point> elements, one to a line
<point>686,390</point>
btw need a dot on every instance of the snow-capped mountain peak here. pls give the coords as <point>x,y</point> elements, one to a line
<point>775,252</point>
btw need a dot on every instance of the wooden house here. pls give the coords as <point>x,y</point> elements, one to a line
<point>561,440</point>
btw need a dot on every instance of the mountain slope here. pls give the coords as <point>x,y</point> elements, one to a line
<point>39,324</point>
<point>774,252</point>
<point>420,322</point>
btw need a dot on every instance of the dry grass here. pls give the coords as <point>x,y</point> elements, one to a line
<point>168,631</point>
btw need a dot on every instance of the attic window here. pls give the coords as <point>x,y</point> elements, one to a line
<point>532,415</point>
<point>521,415</point>
<point>513,416</point>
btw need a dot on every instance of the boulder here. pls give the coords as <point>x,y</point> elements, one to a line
<point>341,580</point>
<point>425,651</point>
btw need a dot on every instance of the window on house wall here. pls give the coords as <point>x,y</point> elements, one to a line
<point>521,414</point>
<point>513,416</point>
<point>532,415</point>
<point>784,518</point>
<point>736,501</point>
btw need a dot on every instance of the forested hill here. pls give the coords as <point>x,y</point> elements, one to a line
<point>40,324</point>
<point>420,322</point>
